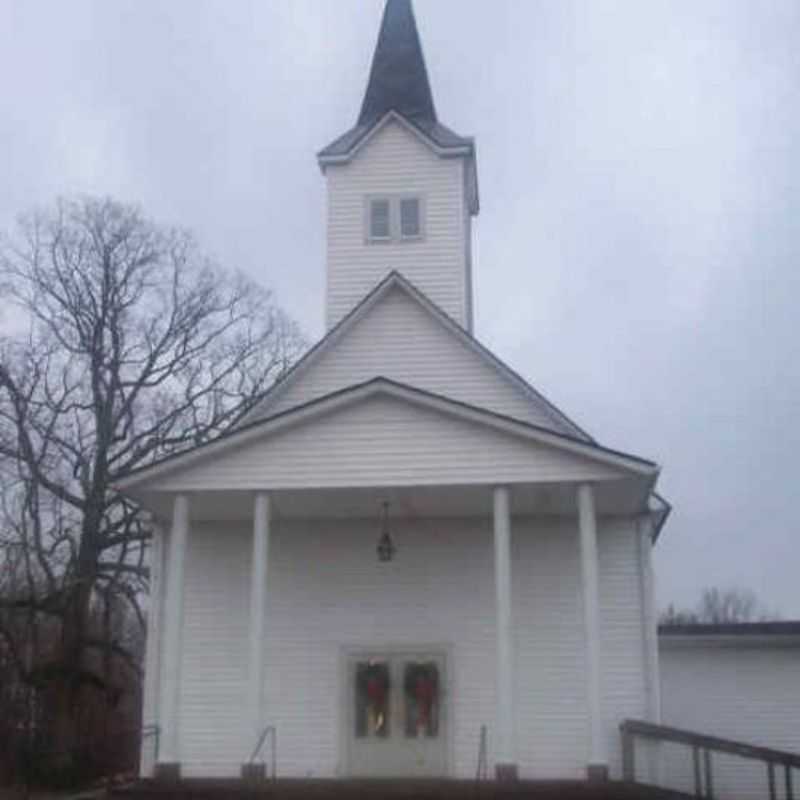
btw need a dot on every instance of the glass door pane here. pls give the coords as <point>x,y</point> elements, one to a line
<point>372,699</point>
<point>422,693</point>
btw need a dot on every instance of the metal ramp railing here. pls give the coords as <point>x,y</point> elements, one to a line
<point>703,746</point>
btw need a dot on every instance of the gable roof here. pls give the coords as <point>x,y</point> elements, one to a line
<point>398,79</point>
<point>558,421</point>
<point>412,396</point>
<point>436,135</point>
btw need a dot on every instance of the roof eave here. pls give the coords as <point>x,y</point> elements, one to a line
<point>630,463</point>
<point>325,158</point>
<point>659,515</point>
<point>737,634</point>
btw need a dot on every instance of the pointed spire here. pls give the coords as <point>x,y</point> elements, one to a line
<point>398,79</point>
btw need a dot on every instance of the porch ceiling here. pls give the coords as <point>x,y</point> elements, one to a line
<point>625,496</point>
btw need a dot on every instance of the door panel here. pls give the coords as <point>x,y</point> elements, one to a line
<point>396,721</point>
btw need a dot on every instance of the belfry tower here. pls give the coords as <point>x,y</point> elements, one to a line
<point>402,187</point>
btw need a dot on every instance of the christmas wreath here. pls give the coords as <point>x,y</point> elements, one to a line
<point>373,681</point>
<point>372,692</point>
<point>422,686</point>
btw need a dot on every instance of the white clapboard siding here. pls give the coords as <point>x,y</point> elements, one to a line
<point>622,630</point>
<point>326,591</point>
<point>400,339</point>
<point>215,735</point>
<point>395,161</point>
<point>384,441</point>
<point>744,692</point>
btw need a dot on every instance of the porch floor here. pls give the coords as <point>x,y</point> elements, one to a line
<point>346,789</point>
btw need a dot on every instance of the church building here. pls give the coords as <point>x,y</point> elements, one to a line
<point>406,561</point>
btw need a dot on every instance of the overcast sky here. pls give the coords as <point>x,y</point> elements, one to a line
<point>638,248</point>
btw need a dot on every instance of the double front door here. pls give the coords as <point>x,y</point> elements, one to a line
<point>396,716</point>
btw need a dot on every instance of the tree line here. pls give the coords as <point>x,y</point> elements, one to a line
<point>122,343</point>
<point>719,607</point>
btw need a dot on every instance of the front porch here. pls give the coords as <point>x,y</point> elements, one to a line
<point>508,589</point>
<point>522,570</point>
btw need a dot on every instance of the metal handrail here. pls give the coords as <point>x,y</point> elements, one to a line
<point>153,730</point>
<point>631,728</point>
<point>272,732</point>
<point>482,772</point>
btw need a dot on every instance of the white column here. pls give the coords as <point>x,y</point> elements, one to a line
<point>505,755</point>
<point>258,595</point>
<point>598,757</point>
<point>169,706</point>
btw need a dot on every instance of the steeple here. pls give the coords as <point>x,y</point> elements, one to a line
<point>398,83</point>
<point>398,80</point>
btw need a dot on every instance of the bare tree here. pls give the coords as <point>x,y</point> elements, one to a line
<point>133,346</point>
<point>730,605</point>
<point>719,606</point>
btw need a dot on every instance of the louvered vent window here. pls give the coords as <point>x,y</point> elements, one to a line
<point>393,218</point>
<point>410,227</point>
<point>380,227</point>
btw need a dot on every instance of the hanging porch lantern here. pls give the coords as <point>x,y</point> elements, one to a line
<point>385,548</point>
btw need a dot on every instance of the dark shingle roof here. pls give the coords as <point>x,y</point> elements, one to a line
<point>398,82</point>
<point>774,628</point>
<point>439,134</point>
